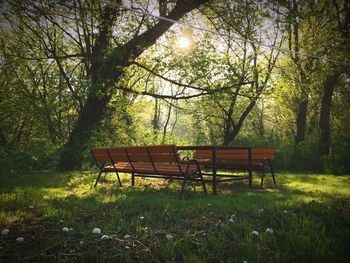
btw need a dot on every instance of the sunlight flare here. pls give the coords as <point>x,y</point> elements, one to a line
<point>184,42</point>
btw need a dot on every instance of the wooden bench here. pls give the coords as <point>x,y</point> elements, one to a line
<point>148,161</point>
<point>237,160</point>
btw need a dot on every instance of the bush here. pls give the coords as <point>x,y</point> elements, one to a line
<point>37,156</point>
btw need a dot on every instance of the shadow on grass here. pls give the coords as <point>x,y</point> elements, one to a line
<point>307,224</point>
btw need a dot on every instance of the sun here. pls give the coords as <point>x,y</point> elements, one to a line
<point>184,42</point>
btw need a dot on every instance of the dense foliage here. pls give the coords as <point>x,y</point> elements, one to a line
<point>80,74</point>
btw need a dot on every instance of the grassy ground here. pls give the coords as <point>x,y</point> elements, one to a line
<point>309,215</point>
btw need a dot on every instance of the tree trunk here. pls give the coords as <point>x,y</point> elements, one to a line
<point>229,123</point>
<point>325,112</point>
<point>156,116</point>
<point>301,121</point>
<point>165,127</point>
<point>4,143</point>
<point>90,117</point>
<point>237,127</point>
<point>106,70</point>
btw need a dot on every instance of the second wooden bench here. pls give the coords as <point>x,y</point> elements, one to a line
<point>237,160</point>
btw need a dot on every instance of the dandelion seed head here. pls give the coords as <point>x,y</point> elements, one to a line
<point>65,229</point>
<point>255,233</point>
<point>269,231</point>
<point>104,237</point>
<point>169,237</point>
<point>96,231</point>
<point>5,232</point>
<point>20,239</point>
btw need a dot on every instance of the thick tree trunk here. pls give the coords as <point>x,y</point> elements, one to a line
<point>88,120</point>
<point>106,71</point>
<point>237,127</point>
<point>301,121</point>
<point>325,113</point>
<point>4,143</point>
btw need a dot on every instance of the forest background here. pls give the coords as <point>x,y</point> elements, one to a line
<point>81,74</point>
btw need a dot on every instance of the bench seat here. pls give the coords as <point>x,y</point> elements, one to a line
<point>148,168</point>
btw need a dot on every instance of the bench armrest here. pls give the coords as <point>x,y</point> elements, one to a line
<point>191,162</point>
<point>185,160</point>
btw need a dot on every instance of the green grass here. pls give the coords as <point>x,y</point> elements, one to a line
<point>309,215</point>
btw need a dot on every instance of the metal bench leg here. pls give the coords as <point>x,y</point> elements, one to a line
<point>262,177</point>
<point>132,179</point>
<point>250,179</point>
<point>98,178</point>
<point>184,183</point>
<point>201,177</point>
<point>120,183</point>
<point>203,183</point>
<point>273,176</point>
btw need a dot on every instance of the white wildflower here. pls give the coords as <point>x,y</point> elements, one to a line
<point>260,210</point>
<point>127,236</point>
<point>142,217</point>
<point>81,242</point>
<point>5,232</point>
<point>285,211</point>
<point>255,233</point>
<point>127,247</point>
<point>65,229</point>
<point>96,231</point>
<point>269,231</point>
<point>169,237</point>
<point>20,239</point>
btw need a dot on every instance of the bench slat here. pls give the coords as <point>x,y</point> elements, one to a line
<point>162,148</point>
<point>257,154</point>
<point>100,155</point>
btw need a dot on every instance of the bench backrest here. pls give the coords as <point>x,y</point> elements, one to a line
<point>156,155</point>
<point>100,155</point>
<point>257,154</point>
